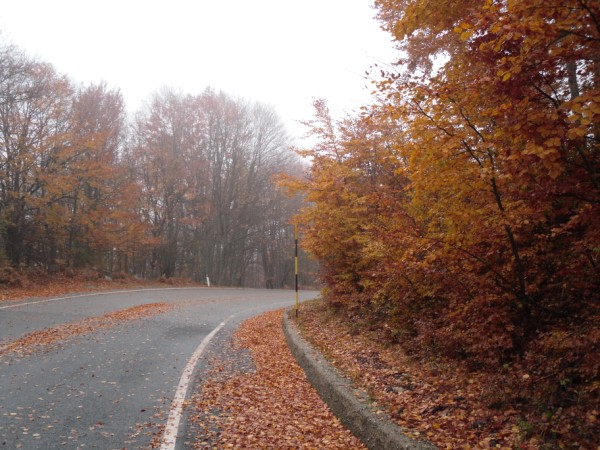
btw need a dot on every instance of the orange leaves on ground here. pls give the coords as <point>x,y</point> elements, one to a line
<point>273,407</point>
<point>442,402</point>
<point>38,340</point>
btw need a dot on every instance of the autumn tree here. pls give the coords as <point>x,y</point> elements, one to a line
<point>103,228</point>
<point>186,190</point>
<point>63,198</point>
<point>503,150</point>
<point>354,184</point>
<point>246,146</point>
<point>168,162</point>
<point>465,220</point>
<point>274,240</point>
<point>34,114</point>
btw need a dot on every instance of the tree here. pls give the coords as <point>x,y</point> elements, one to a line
<point>63,197</point>
<point>34,118</point>
<point>461,210</point>
<point>102,224</point>
<point>511,115</point>
<point>353,187</point>
<point>206,165</point>
<point>168,163</point>
<point>187,190</point>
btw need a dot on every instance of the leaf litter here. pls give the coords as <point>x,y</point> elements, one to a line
<point>441,402</point>
<point>38,340</point>
<point>271,405</point>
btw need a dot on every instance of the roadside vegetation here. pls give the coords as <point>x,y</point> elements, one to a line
<point>458,216</point>
<point>440,400</point>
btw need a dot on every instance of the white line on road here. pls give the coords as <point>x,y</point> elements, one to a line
<point>175,413</point>
<point>169,439</point>
<point>171,428</point>
<point>92,294</point>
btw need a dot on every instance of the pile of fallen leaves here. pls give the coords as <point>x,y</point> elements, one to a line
<point>440,401</point>
<point>274,406</point>
<point>41,339</point>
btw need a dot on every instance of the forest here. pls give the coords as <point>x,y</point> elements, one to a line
<point>182,188</point>
<point>460,211</point>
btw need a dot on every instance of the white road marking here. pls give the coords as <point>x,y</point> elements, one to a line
<point>93,294</point>
<point>169,438</point>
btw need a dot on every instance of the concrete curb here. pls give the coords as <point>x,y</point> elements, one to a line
<point>350,405</point>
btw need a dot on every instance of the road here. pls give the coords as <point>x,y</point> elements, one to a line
<point>115,384</point>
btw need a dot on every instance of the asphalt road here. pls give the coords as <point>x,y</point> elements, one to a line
<point>113,388</point>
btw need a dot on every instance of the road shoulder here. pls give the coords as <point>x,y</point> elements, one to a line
<point>348,403</point>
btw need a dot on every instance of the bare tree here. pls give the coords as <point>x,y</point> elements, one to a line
<point>206,165</point>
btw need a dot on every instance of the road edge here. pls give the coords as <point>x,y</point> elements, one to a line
<point>350,405</point>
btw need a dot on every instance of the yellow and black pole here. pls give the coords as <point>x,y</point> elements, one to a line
<point>296,263</point>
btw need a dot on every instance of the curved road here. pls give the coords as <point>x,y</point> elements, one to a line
<point>121,384</point>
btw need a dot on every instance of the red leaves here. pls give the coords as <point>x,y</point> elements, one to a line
<point>274,407</point>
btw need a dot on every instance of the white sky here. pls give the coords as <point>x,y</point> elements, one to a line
<point>283,53</point>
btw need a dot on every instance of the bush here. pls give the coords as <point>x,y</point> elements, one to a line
<point>12,278</point>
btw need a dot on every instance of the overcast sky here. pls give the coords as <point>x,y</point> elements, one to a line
<point>282,53</point>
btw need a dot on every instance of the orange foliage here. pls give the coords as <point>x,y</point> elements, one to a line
<point>462,211</point>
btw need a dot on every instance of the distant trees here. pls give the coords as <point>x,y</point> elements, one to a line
<point>205,165</point>
<point>185,189</point>
<point>166,162</point>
